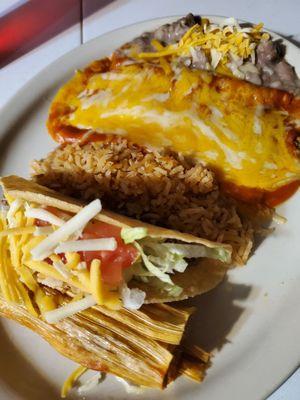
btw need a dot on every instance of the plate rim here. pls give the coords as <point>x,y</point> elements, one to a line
<point>7,118</point>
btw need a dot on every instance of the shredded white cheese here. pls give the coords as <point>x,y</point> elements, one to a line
<point>82,266</point>
<point>44,215</point>
<point>215,58</point>
<point>43,231</point>
<point>14,207</point>
<point>59,266</point>
<point>46,247</point>
<point>54,316</point>
<point>51,282</point>
<point>108,244</point>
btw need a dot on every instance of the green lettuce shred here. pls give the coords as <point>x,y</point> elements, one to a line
<point>156,271</point>
<point>129,235</point>
<point>199,250</point>
<point>160,259</point>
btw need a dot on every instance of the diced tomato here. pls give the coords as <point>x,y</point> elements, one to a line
<point>39,222</point>
<point>62,257</point>
<point>58,213</point>
<point>112,262</point>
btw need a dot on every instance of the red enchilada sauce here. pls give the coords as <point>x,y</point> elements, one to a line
<point>253,195</point>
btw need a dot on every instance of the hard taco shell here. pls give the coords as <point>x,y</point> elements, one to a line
<point>199,277</point>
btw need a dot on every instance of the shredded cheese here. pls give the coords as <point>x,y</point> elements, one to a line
<point>54,316</point>
<point>27,278</point>
<point>70,381</point>
<point>49,271</point>
<point>96,281</point>
<point>84,279</point>
<point>17,231</point>
<point>44,302</point>
<point>4,279</point>
<point>59,266</point>
<point>112,298</point>
<point>279,219</point>
<point>11,287</point>
<point>77,222</point>
<point>107,244</point>
<point>91,383</point>
<point>43,230</point>
<point>73,259</point>
<point>44,215</point>
<point>217,41</point>
<point>82,266</point>
<point>14,207</point>
<point>20,274</point>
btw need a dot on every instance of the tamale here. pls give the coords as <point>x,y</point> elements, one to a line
<point>158,322</point>
<point>194,363</point>
<point>98,342</point>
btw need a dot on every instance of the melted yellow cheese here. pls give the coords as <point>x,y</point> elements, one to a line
<point>184,113</point>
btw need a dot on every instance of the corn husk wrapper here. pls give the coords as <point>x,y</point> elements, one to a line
<point>100,342</point>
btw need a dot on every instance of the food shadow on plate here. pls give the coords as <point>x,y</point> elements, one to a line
<point>20,376</point>
<point>216,315</point>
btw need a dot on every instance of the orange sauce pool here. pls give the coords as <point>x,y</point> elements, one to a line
<point>269,198</point>
<point>75,135</point>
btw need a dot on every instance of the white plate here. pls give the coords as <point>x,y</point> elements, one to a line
<point>251,321</point>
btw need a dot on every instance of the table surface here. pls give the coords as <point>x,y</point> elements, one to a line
<point>100,16</point>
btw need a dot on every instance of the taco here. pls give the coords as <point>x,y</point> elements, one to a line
<point>52,241</point>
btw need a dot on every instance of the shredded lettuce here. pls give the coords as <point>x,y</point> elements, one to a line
<point>160,259</point>
<point>164,256</point>
<point>174,291</point>
<point>199,250</point>
<point>138,268</point>
<point>170,262</point>
<point>171,256</point>
<point>155,271</point>
<point>144,279</point>
<point>129,235</point>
